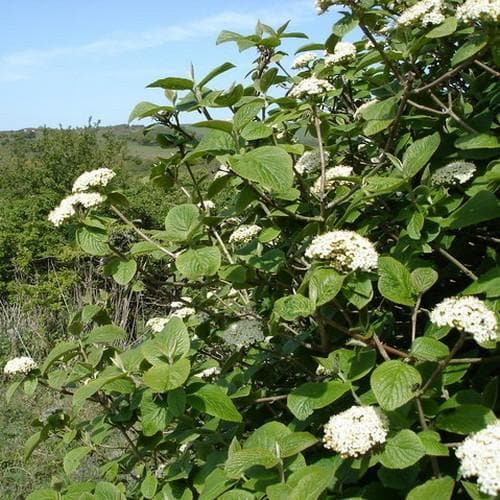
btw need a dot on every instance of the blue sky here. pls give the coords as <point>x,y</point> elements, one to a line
<point>62,61</point>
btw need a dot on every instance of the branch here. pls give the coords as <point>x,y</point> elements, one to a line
<point>442,78</point>
<point>456,262</point>
<point>317,126</point>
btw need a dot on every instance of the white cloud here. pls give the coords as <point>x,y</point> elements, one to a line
<point>21,65</point>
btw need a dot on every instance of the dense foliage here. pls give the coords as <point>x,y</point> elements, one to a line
<point>329,294</point>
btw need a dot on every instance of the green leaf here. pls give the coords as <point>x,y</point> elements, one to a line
<point>311,396</point>
<point>92,241</point>
<point>172,83</point>
<point>372,127</point>
<point>355,363</point>
<point>239,461</point>
<point>43,494</point>
<point>473,45</point>
<point>182,222</point>
<point>174,340</point>
<point>358,291</point>
<point>33,442</point>
<point>105,334</point>
<point>107,491</point>
<point>395,281</point>
<point>146,109</point>
<point>474,492</point>
<point>200,262</point>
<point>225,126</point>
<point>446,28</point>
<point>58,351</point>
<point>465,419</point>
<point>11,390</point>
<point>394,383</point>
<point>423,278</point>
<point>402,450</point>
<point>269,166</point>
<point>216,72</point>
<point>432,444</point>
<point>255,130</point>
<point>73,458</point>
<point>213,142</point>
<point>86,391</point>
<point>309,482</point>
<point>429,349</point>
<point>293,306</point>
<point>270,262</point>
<point>481,207</point>
<point>488,283</point>
<point>324,285</point>
<point>155,415</point>
<point>344,25</point>
<point>378,184</point>
<point>164,377</point>
<point>437,489</point>
<point>381,110</point>
<point>149,485</point>
<point>247,113</point>
<point>295,443</point>
<point>267,436</point>
<point>122,270</point>
<point>477,141</point>
<point>213,400</point>
<point>419,153</point>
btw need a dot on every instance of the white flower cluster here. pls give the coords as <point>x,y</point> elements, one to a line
<point>310,86</point>
<point>309,161</point>
<point>479,455</point>
<point>423,12</point>
<point>322,370</point>
<point>332,179</point>
<point>303,60</point>
<point>343,51</point>
<point>356,431</point>
<point>23,364</point>
<point>244,234</point>
<point>209,372</point>
<point>183,312</point>
<point>206,205</point>
<point>346,251</point>
<point>66,208</point>
<point>468,314</point>
<point>479,10</point>
<point>457,172</point>
<point>93,178</point>
<point>358,113</point>
<point>243,333</point>
<point>157,324</point>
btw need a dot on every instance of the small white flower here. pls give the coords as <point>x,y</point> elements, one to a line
<point>423,12</point>
<point>457,172</point>
<point>356,431</point>
<point>332,180</point>
<point>323,5</point>
<point>206,205</point>
<point>303,60</point>
<point>311,86</point>
<point>244,234</point>
<point>345,250</point>
<point>66,208</point>
<point>243,333</point>
<point>479,455</point>
<point>468,314</point>
<point>209,372</point>
<point>23,364</point>
<point>322,370</point>
<point>343,51</point>
<point>309,161</point>
<point>183,312</point>
<point>222,172</point>
<point>479,10</point>
<point>157,324</point>
<point>93,178</point>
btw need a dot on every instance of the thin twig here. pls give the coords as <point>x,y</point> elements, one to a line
<point>317,126</point>
<point>143,235</point>
<point>381,347</point>
<point>487,68</point>
<point>414,317</point>
<point>442,78</point>
<point>423,424</point>
<point>456,262</point>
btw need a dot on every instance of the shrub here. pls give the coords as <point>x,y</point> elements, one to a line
<point>333,333</point>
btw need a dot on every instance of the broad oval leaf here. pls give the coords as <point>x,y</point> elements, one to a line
<point>181,222</point>
<point>394,383</point>
<point>402,450</point>
<point>198,263</point>
<point>165,377</point>
<point>213,400</point>
<point>395,281</point>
